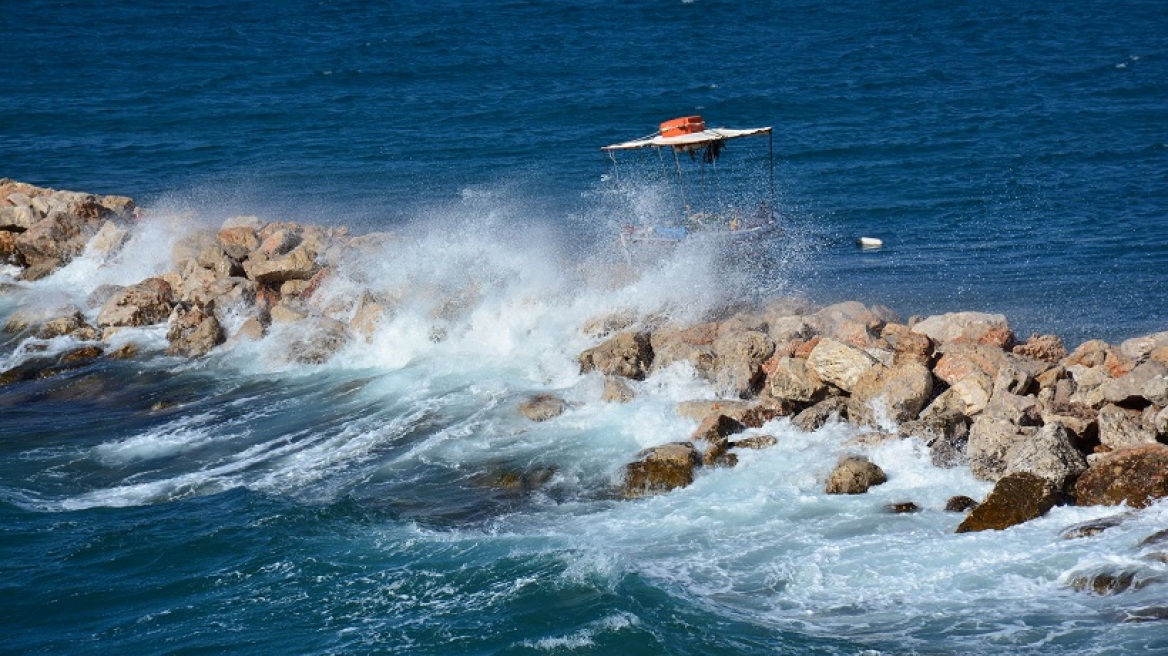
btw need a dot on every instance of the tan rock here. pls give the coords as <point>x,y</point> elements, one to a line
<point>792,379</point>
<point>1047,348</point>
<point>108,241</point>
<point>147,303</point>
<point>814,417</point>
<point>1122,427</point>
<point>628,354</point>
<point>990,439</point>
<point>237,242</point>
<point>1140,348</point>
<point>972,326</point>
<point>854,475</point>
<point>738,361</point>
<point>193,332</point>
<point>617,390</point>
<point>1049,455</point>
<point>896,394</point>
<point>285,313</point>
<point>839,364</point>
<point>298,264</point>
<point>542,407</point>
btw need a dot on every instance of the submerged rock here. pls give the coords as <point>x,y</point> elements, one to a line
<point>1136,476</point>
<point>542,407</point>
<point>960,503</point>
<point>854,475</point>
<point>1015,499</point>
<point>661,469</point>
<point>1093,527</point>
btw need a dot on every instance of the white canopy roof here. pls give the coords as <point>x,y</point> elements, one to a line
<point>694,139</point>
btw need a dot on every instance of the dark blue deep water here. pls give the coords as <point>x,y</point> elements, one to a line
<point>1013,157</point>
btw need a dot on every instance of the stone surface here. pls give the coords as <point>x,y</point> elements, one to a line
<point>1121,427</point>
<point>1048,348</point>
<point>990,439</point>
<point>542,407</point>
<point>896,394</point>
<point>1136,476</point>
<point>193,332</point>
<point>617,390</point>
<point>1140,348</point>
<point>1093,527</point>
<point>1049,455</point>
<point>1146,383</point>
<point>839,364</point>
<point>628,355</point>
<point>960,503</point>
<point>854,475</point>
<point>754,442</point>
<point>661,469</point>
<point>147,303</point>
<point>1015,499</point>
<point>972,326</point>
<point>793,380</point>
<point>298,264</point>
<point>315,339</point>
<point>814,417</point>
<point>738,361</point>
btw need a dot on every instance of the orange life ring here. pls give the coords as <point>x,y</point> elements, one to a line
<point>684,125</point>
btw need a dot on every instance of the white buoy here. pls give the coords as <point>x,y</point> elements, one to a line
<point>869,242</point>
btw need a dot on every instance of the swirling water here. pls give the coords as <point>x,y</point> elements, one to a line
<point>1012,157</point>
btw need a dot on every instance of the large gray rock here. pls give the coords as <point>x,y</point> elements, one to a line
<point>1050,455</point>
<point>990,439</point>
<point>1120,427</point>
<point>1147,383</point>
<point>896,394</point>
<point>839,364</point>
<point>794,381</point>
<point>854,475</point>
<point>628,355</point>
<point>1138,348</point>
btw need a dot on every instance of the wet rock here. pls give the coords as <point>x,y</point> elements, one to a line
<point>1015,499</point>
<point>237,242</point>
<point>738,359</point>
<point>854,475</point>
<point>839,364</point>
<point>970,326</point>
<point>286,313</point>
<point>1136,476</point>
<point>9,253</point>
<point>715,431</point>
<point>315,339</point>
<point>754,442</point>
<point>608,324</point>
<point>1093,527</point>
<point>1110,583</point>
<point>80,355</point>
<point>193,332</point>
<point>1148,614</point>
<point>1154,540</point>
<point>57,238</point>
<point>71,323</point>
<point>1049,455</point>
<point>661,469</point>
<point>816,416</point>
<point>896,394</point>
<point>628,355</point>
<point>108,241</point>
<point>519,480</point>
<point>903,508</point>
<point>946,434</point>
<point>753,414</point>
<point>367,317</point>
<point>542,407</point>
<point>251,330</point>
<point>793,380</point>
<point>960,503</point>
<point>1047,348</point>
<point>147,303</point>
<point>617,390</point>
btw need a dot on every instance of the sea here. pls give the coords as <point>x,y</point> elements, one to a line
<point>1012,157</point>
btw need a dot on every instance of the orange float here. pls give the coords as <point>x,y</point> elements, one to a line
<point>684,125</point>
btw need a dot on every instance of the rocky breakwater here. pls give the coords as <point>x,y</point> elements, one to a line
<point>236,282</point>
<point>1047,426</point>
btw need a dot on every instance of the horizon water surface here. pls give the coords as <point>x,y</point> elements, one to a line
<point>1014,159</point>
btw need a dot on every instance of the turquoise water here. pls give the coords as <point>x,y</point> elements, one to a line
<point>1013,158</point>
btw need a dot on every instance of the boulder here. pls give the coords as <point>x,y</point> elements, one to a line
<point>750,413</point>
<point>1047,348</point>
<point>17,219</point>
<point>990,439</point>
<point>971,326</point>
<point>1140,348</point>
<point>896,394</point>
<point>839,364</point>
<point>542,407</point>
<point>617,390</point>
<point>9,253</point>
<point>108,241</point>
<point>738,359</point>
<point>1016,409</point>
<point>147,303</point>
<point>854,475</point>
<point>237,242</point>
<point>1136,476</point>
<point>1146,383</point>
<point>829,320</point>
<point>628,355</point>
<point>298,264</point>
<point>212,258</point>
<point>70,322</point>
<point>813,418</point>
<point>661,469</point>
<point>716,428</point>
<point>913,347</point>
<point>1015,499</point>
<point>193,332</point>
<point>58,237</point>
<point>960,503</point>
<point>1110,583</point>
<point>1093,527</point>
<point>963,361</point>
<point>791,379</point>
<point>946,434</point>
<point>1049,455</point>
<point>1081,422</point>
<point>1120,427</point>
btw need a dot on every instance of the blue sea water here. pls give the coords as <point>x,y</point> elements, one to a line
<point>1013,157</point>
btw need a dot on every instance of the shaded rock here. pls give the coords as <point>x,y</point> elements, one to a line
<point>628,354</point>
<point>1136,476</point>
<point>147,303</point>
<point>816,416</point>
<point>839,364</point>
<point>215,260</point>
<point>1016,409</point>
<point>971,326</point>
<point>72,323</point>
<point>946,434</point>
<point>1048,348</point>
<point>896,394</point>
<point>617,390</point>
<point>960,503</point>
<point>1120,427</point>
<point>58,237</point>
<point>792,379</point>
<point>193,332</point>
<point>1093,527</point>
<point>126,351</point>
<point>1081,422</point>
<point>9,253</point>
<point>661,469</point>
<point>903,508</point>
<point>519,480</point>
<point>913,347</point>
<point>237,241</point>
<point>754,442</point>
<point>1154,540</point>
<point>1049,455</point>
<point>854,475</point>
<point>80,355</point>
<point>1015,499</point>
<point>715,431</point>
<point>738,361</point>
<point>542,407</point>
<point>990,439</point>
<point>751,413</point>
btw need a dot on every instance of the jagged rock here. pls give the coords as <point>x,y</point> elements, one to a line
<point>960,503</point>
<point>661,469</point>
<point>754,442</point>
<point>913,347</point>
<point>617,390</point>
<point>251,330</point>
<point>738,358</point>
<point>1146,383</point>
<point>1081,421</point>
<point>971,326</point>
<point>70,323</point>
<point>1098,354</point>
<point>1016,409</point>
<point>1121,427</point>
<point>193,332</point>
<point>854,475</point>
<point>212,258</point>
<point>964,361</point>
<point>829,320</point>
<point>788,328</point>
<point>839,364</point>
<point>751,413</point>
<point>628,354</point>
<point>793,380</point>
<point>542,407</point>
<point>1136,476</point>
<point>715,428</point>
<point>147,303</point>
<point>237,241</point>
<point>896,394</point>
<point>946,435</point>
<point>1093,527</point>
<point>58,238</point>
<point>1047,348</point>
<point>297,264</point>
<point>1015,499</point>
<point>1049,455</point>
<point>17,219</point>
<point>9,253</point>
<point>276,240</point>
<point>990,439</point>
<point>816,416</point>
